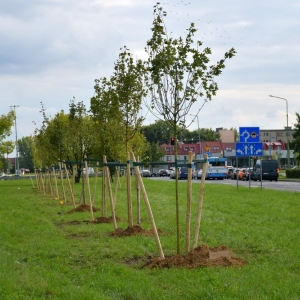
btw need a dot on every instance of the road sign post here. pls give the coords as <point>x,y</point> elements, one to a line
<point>249,145</point>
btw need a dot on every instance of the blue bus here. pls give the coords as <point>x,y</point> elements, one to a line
<point>217,161</point>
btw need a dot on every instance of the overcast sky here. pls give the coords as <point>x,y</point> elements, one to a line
<point>52,50</point>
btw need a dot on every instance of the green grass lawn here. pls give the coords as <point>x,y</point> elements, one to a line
<point>46,253</point>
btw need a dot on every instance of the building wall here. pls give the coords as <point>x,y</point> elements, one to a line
<point>274,135</point>
<point>227,136</point>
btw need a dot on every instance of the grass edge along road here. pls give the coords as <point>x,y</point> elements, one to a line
<point>49,254</point>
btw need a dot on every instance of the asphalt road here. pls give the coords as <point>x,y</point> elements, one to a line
<point>283,185</point>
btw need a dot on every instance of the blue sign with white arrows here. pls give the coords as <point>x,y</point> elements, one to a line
<point>249,134</point>
<point>249,149</point>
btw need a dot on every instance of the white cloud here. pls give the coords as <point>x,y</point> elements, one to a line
<point>52,50</point>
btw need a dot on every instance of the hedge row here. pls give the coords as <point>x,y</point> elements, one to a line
<point>293,173</point>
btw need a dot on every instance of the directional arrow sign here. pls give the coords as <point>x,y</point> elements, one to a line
<point>249,149</point>
<point>249,134</point>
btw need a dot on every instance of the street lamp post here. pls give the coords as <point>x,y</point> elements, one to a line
<point>287,129</point>
<point>17,155</point>
<point>200,148</point>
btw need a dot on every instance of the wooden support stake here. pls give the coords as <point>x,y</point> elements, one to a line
<point>70,187</point>
<point>116,184</point>
<point>188,204</point>
<point>31,181</point>
<point>138,197</point>
<point>55,182</point>
<point>87,180</point>
<point>104,179</point>
<point>129,197</point>
<point>95,182</point>
<point>200,202</point>
<point>62,181</point>
<point>154,229</point>
<point>111,198</point>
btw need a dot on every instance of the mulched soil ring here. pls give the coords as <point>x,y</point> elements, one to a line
<point>202,256</point>
<point>134,230</point>
<point>82,208</point>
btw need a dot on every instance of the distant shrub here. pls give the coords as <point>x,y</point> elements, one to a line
<point>293,173</point>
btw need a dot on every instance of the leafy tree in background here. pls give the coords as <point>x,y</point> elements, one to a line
<point>6,147</point>
<point>178,75</point>
<point>206,134</point>
<point>295,144</point>
<point>49,140</point>
<point>6,122</point>
<point>64,137</point>
<point>158,132</point>
<point>25,146</point>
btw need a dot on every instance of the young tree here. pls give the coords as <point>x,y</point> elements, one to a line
<point>128,87</point>
<point>178,75</point>
<point>104,107</point>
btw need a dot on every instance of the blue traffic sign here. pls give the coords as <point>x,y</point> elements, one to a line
<point>249,134</point>
<point>249,149</point>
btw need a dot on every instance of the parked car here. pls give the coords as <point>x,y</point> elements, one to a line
<point>154,174</point>
<point>145,173</point>
<point>241,174</point>
<point>234,173</point>
<point>163,173</point>
<point>230,170</point>
<point>6,177</point>
<point>91,171</point>
<point>248,174</point>
<point>172,173</point>
<point>183,173</point>
<point>199,174</point>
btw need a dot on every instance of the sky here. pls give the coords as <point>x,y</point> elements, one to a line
<point>53,50</point>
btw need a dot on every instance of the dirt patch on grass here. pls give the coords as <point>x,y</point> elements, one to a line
<point>202,256</point>
<point>134,230</point>
<point>82,208</point>
<point>105,220</point>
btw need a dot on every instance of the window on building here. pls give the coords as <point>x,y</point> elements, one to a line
<point>167,149</point>
<point>216,147</point>
<point>186,148</point>
<point>168,158</point>
<point>266,133</point>
<point>192,148</point>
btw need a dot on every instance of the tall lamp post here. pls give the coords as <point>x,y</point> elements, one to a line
<point>17,150</point>
<point>200,148</point>
<point>287,128</point>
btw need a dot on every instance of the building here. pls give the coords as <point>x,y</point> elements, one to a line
<point>274,142</point>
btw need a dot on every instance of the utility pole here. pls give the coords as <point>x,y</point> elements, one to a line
<point>287,128</point>
<point>17,150</point>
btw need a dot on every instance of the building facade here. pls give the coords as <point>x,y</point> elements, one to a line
<point>274,143</point>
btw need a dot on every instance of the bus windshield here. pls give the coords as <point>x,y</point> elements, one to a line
<point>217,161</point>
